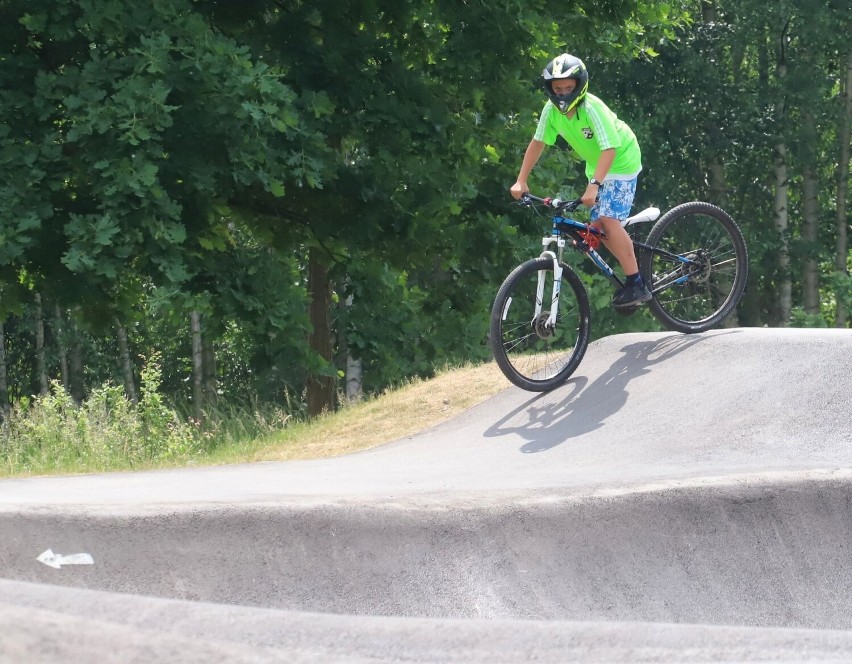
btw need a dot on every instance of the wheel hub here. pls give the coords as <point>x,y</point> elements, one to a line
<point>699,268</point>
<point>540,326</point>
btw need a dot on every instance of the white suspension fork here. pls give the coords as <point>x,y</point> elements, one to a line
<point>557,279</point>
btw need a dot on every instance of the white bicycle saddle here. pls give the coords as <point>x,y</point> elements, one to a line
<point>648,214</point>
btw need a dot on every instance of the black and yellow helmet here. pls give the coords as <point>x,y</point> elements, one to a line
<point>562,67</point>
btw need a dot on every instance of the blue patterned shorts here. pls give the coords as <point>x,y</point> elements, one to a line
<point>615,198</point>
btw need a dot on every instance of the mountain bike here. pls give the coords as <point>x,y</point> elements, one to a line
<point>694,261</point>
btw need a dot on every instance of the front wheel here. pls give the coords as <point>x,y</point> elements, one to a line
<point>696,267</point>
<point>533,352</point>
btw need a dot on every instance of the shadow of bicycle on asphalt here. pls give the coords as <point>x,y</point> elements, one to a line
<point>579,407</point>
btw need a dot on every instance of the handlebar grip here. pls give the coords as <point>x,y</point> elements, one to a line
<point>528,199</point>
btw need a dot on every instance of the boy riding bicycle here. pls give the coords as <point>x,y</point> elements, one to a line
<point>613,161</point>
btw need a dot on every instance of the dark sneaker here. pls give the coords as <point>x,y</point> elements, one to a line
<point>631,296</point>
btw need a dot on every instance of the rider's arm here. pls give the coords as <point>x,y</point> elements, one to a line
<point>531,157</point>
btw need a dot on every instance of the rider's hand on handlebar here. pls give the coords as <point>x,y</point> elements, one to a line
<point>519,189</point>
<point>590,196</point>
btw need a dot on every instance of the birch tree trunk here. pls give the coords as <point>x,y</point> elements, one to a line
<point>842,248</point>
<point>810,212</point>
<point>41,366</point>
<point>126,363</point>
<point>60,345</point>
<point>780,204</point>
<point>4,383</point>
<point>782,222</point>
<point>208,362</point>
<point>354,371</point>
<point>354,379</point>
<point>197,365</point>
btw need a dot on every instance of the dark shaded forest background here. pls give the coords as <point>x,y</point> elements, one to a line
<point>292,202</point>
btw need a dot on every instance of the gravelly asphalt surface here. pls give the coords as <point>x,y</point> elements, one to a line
<point>681,498</point>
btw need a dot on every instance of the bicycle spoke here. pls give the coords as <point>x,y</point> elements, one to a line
<point>533,354</point>
<point>702,290</point>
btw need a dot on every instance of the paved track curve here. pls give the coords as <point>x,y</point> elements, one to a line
<point>681,498</point>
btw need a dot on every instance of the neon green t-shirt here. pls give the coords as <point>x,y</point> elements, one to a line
<point>593,128</point>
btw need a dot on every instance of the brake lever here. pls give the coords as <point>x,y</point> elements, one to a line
<point>567,206</point>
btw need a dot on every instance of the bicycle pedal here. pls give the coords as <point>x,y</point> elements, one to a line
<point>627,311</point>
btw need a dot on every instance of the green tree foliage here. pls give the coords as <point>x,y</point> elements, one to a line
<point>122,130</point>
<point>176,156</point>
<point>710,109</point>
<point>122,125</point>
<point>429,107</point>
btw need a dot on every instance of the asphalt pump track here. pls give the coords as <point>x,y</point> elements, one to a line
<point>681,498</point>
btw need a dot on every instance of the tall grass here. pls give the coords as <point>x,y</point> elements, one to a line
<point>108,432</point>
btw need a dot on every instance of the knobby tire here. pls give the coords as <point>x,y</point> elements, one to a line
<point>694,298</point>
<point>531,356</point>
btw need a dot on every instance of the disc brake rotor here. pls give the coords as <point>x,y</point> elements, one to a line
<point>698,269</point>
<point>542,330</point>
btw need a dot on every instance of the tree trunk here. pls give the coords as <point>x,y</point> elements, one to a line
<point>208,361</point>
<point>810,213</point>
<point>780,213</point>
<point>716,167</point>
<point>41,366</point>
<point>354,378</point>
<point>718,185</point>
<point>4,383</point>
<point>75,368</point>
<point>719,196</point>
<point>781,204</point>
<point>197,365</point>
<point>842,247</point>
<point>321,389</point>
<point>60,346</point>
<point>126,363</point>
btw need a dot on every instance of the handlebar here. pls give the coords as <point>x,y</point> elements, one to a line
<point>555,203</point>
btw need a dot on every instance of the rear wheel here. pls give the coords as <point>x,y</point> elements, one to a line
<point>533,354</point>
<point>702,275</point>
